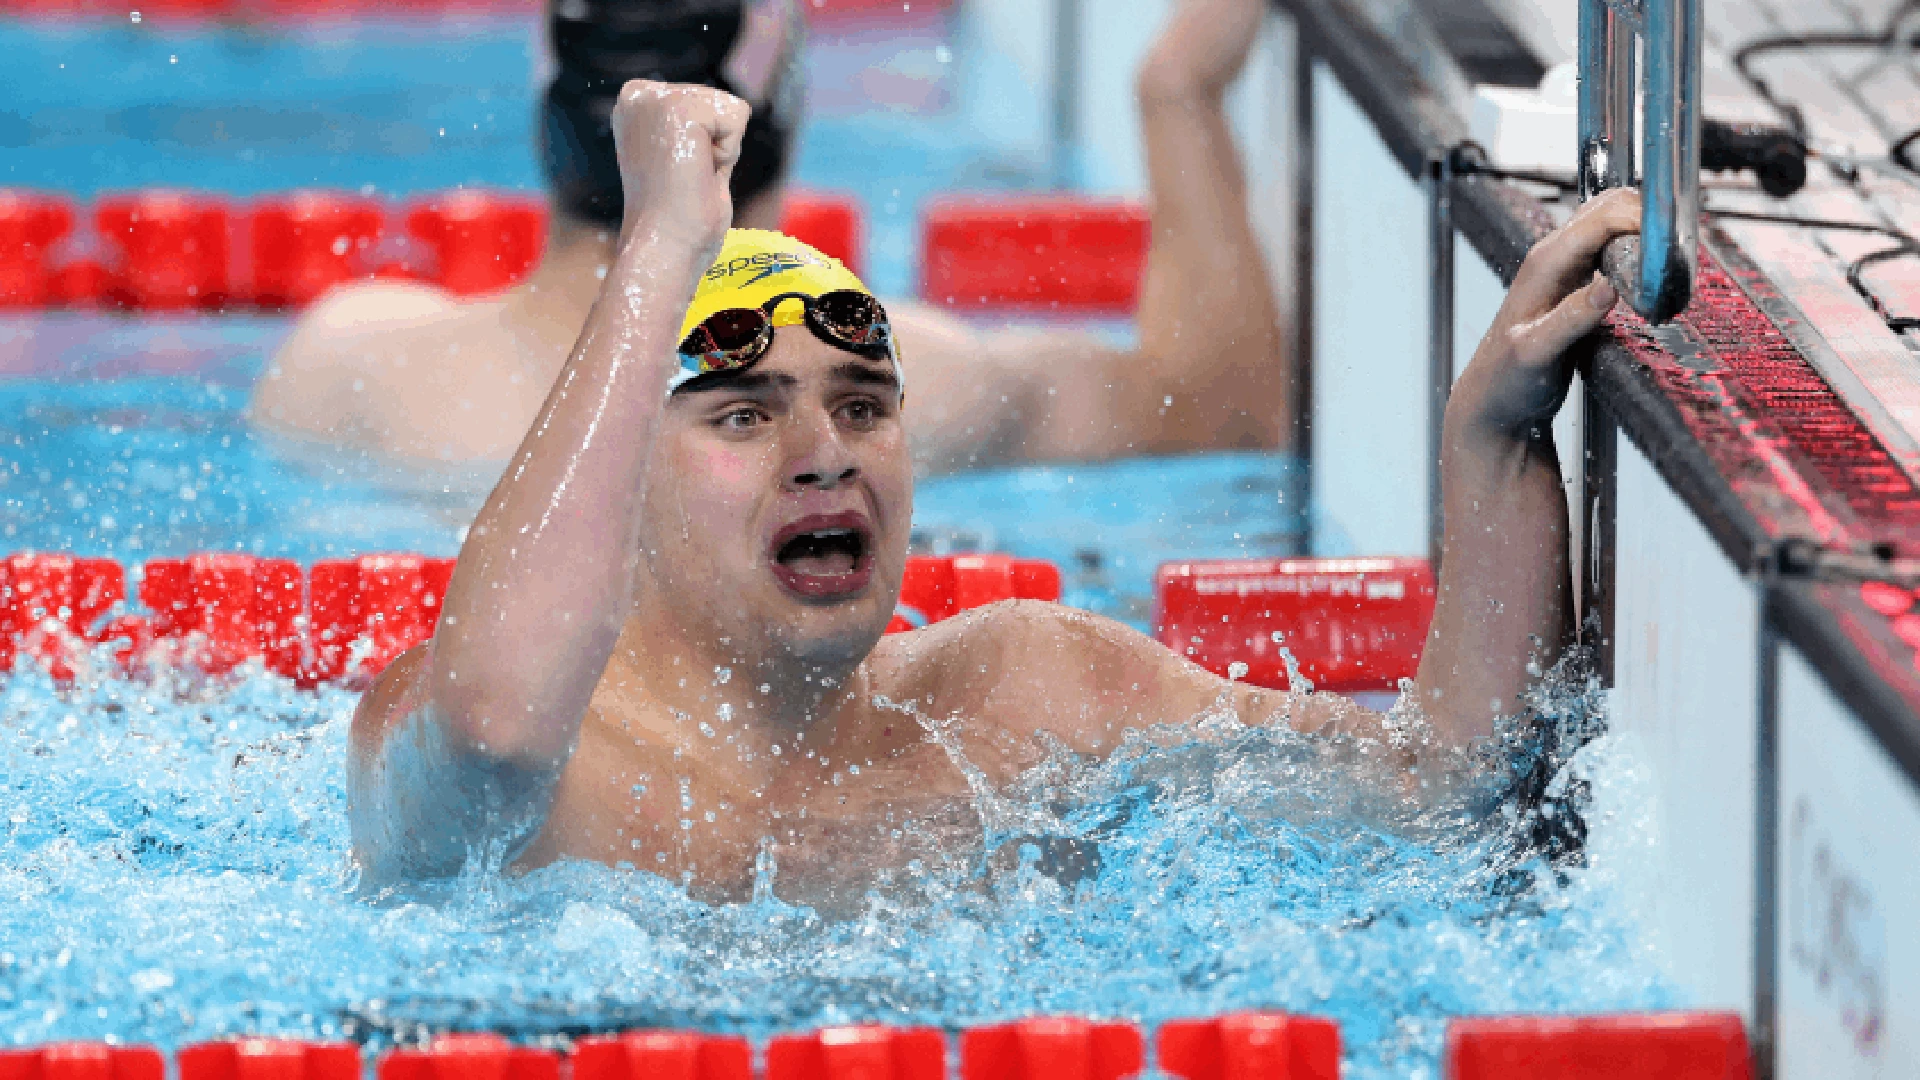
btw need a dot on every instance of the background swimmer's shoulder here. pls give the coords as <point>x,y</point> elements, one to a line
<point>396,367</point>
<point>374,305</point>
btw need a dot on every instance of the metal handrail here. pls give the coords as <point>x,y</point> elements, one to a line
<point>1654,271</point>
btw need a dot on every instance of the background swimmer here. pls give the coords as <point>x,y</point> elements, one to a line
<point>676,602</point>
<point>407,370</point>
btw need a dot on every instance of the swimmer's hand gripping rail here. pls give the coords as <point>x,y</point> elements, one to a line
<point>1654,271</point>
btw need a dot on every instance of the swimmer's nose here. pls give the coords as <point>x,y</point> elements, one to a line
<point>819,458</point>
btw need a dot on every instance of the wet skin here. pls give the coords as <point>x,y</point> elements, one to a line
<point>844,755</point>
<point>652,568</point>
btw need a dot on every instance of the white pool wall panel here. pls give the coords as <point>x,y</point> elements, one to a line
<point>1849,893</point>
<point>1370,290</point>
<point>1012,42</point>
<point>1685,702</point>
<point>1008,43</point>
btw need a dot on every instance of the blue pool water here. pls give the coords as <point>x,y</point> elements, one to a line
<point>173,856</point>
<point>173,860</point>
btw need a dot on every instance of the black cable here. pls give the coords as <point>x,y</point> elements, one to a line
<point>1786,42</point>
<point>1856,272</point>
<point>1816,223</point>
<point>1744,56</point>
<point>1908,246</point>
<point>1467,166</point>
<point>1899,151</point>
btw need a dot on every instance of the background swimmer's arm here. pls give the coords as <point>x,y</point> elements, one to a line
<point>1210,330</point>
<point>461,747</point>
<point>1209,371</point>
<point>1505,586</point>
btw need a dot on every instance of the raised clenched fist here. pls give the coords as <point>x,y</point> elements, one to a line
<point>677,146</point>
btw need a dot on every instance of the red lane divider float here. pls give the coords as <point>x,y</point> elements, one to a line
<point>470,1057</point>
<point>1271,1046</point>
<point>309,241</point>
<point>1353,625</point>
<point>1052,252</point>
<point>1051,1048</point>
<point>482,242</point>
<point>82,284</point>
<point>1671,1046</point>
<point>269,1059</point>
<point>937,588</point>
<point>645,1055</point>
<point>829,221</point>
<point>217,611</point>
<point>49,603</point>
<point>176,251</point>
<point>367,611</point>
<point>343,619</point>
<point>863,1052</point>
<point>30,225</point>
<point>1239,1046</point>
<point>83,1061</point>
<point>172,246</point>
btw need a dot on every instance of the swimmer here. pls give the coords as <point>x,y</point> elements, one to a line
<point>407,372</point>
<point>662,644</point>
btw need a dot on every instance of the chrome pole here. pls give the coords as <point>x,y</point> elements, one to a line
<point>1439,338</point>
<point>1654,271</point>
<point>1301,151</point>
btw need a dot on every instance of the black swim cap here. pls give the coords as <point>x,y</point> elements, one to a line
<point>600,44</point>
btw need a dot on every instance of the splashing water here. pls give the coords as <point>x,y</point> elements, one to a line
<point>176,861</point>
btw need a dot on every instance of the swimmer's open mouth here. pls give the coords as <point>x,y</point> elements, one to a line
<point>825,556</point>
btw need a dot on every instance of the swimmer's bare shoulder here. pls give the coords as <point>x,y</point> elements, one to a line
<point>389,367</point>
<point>1027,667</point>
<point>316,382</point>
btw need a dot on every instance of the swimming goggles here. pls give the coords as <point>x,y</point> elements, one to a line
<point>734,339</point>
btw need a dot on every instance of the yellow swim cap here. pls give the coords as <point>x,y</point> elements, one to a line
<point>755,266</point>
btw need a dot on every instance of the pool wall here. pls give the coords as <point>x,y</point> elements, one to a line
<point>1748,624</point>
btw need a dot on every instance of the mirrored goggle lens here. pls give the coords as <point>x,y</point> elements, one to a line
<point>727,339</point>
<point>853,318</point>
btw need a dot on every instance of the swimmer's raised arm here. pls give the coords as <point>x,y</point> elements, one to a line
<point>460,743</point>
<point>1210,369</point>
<point>1505,584</point>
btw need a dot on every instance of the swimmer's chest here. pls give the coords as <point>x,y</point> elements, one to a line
<point>697,811</point>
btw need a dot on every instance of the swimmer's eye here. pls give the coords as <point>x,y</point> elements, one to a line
<point>742,418</point>
<point>863,413</point>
